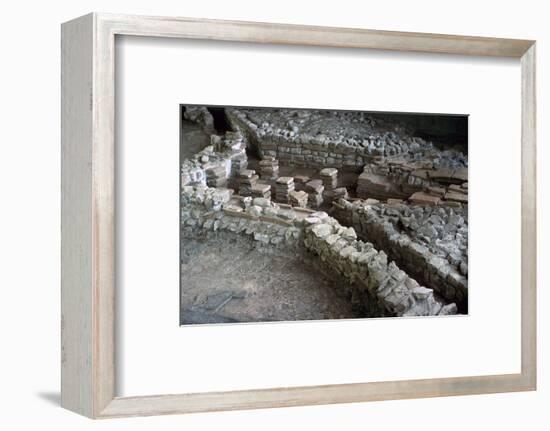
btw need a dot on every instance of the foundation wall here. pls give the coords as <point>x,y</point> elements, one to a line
<point>438,266</point>
<point>375,281</point>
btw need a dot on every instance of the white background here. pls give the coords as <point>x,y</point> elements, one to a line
<point>29,231</point>
<point>156,75</point>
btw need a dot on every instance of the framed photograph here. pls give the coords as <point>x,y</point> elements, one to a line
<point>264,215</point>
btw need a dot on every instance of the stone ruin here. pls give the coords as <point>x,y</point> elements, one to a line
<point>335,139</point>
<point>376,282</point>
<point>430,242</point>
<point>384,209</point>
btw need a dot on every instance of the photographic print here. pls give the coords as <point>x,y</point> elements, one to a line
<point>301,214</point>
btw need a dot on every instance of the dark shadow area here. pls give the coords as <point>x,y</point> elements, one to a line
<point>221,123</point>
<point>445,131</point>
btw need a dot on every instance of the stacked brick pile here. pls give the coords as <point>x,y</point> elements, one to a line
<point>269,168</point>
<point>239,162</point>
<point>216,176</point>
<point>283,186</point>
<point>332,192</point>
<point>329,176</point>
<point>261,190</point>
<point>247,180</point>
<point>298,198</point>
<point>457,193</point>
<point>315,189</point>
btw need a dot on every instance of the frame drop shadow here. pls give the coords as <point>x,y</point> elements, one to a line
<point>51,397</point>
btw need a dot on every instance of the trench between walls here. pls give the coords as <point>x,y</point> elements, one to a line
<point>427,269</point>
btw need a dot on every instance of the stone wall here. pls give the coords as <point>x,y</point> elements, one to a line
<point>291,149</point>
<point>376,282</point>
<point>217,163</point>
<point>429,242</point>
<point>320,139</point>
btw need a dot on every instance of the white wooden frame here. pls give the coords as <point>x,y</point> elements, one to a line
<point>88,215</point>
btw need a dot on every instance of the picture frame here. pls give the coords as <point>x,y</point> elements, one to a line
<point>89,201</point>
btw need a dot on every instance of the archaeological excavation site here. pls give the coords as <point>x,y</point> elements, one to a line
<point>297,214</point>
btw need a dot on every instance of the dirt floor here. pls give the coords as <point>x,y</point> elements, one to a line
<point>232,280</point>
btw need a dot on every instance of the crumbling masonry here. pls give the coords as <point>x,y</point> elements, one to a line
<point>384,210</point>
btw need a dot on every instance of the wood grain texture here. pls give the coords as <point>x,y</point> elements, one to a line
<point>242,31</point>
<point>312,395</point>
<point>529,217</point>
<point>103,211</point>
<point>76,216</point>
<point>89,202</point>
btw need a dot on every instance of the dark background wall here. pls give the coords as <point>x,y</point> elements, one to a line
<point>444,130</point>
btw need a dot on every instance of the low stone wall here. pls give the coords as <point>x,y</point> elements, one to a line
<point>320,139</point>
<point>379,284</point>
<point>429,242</point>
<point>298,150</point>
<point>218,162</point>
